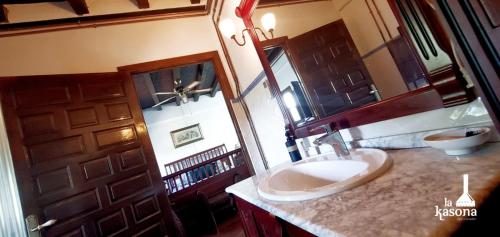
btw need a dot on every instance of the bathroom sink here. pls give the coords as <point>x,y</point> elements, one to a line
<point>324,175</point>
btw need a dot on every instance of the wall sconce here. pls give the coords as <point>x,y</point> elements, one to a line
<point>228,29</point>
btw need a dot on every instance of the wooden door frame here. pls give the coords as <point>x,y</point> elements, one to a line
<point>13,212</point>
<point>212,56</point>
<point>283,42</point>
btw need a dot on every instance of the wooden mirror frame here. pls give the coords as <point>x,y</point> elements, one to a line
<point>446,87</point>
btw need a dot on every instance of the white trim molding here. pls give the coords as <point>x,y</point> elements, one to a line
<point>11,214</point>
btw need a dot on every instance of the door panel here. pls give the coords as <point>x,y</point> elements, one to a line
<point>331,68</point>
<point>82,156</point>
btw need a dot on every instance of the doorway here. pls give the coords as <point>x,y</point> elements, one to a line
<point>184,111</point>
<point>186,106</point>
<point>83,161</point>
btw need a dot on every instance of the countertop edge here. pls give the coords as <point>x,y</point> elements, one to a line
<point>448,226</point>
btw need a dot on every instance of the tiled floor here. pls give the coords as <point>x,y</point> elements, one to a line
<point>230,228</point>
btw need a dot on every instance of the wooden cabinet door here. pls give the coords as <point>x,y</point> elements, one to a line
<point>407,61</point>
<point>82,156</point>
<point>331,68</point>
<point>257,222</point>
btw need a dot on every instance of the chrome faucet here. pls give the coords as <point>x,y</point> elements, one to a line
<point>334,139</point>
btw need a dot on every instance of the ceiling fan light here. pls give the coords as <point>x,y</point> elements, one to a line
<point>268,21</point>
<point>184,98</point>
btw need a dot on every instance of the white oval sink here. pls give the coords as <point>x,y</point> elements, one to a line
<point>324,175</point>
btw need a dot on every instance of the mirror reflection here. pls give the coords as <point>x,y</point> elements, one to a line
<point>292,89</point>
<point>333,56</point>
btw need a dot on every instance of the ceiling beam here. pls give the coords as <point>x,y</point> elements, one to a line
<point>92,21</point>
<point>215,88</point>
<point>28,1</point>
<point>176,74</point>
<point>178,101</point>
<point>195,1</point>
<point>201,76</point>
<point>148,82</point>
<point>207,77</point>
<point>3,14</point>
<point>142,4</point>
<point>79,6</point>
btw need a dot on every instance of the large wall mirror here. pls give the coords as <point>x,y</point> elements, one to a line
<point>354,62</point>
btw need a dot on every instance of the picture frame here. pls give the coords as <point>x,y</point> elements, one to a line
<point>186,135</point>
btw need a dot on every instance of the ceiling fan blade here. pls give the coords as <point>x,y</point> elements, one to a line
<point>200,91</point>
<point>164,101</point>
<point>177,78</point>
<point>166,93</point>
<point>192,85</point>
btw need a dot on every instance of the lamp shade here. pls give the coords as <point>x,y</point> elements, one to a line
<point>268,21</point>
<point>227,28</point>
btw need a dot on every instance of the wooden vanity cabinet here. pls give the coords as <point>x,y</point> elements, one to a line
<point>260,223</point>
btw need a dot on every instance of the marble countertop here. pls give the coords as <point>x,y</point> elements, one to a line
<point>399,203</point>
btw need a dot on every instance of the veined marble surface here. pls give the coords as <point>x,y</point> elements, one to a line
<point>399,203</point>
<point>403,141</point>
<point>414,140</point>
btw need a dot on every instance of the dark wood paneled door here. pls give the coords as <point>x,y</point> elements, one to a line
<point>331,68</point>
<point>82,156</point>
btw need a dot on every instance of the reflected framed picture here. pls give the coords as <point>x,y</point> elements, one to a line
<point>186,135</point>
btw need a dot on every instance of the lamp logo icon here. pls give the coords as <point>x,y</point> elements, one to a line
<point>464,206</point>
<point>465,200</point>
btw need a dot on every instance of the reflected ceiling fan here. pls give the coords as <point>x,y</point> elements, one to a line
<point>181,92</point>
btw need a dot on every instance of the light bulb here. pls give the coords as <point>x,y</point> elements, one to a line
<point>227,28</point>
<point>268,21</point>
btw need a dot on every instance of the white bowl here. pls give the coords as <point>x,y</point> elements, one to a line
<point>454,142</point>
